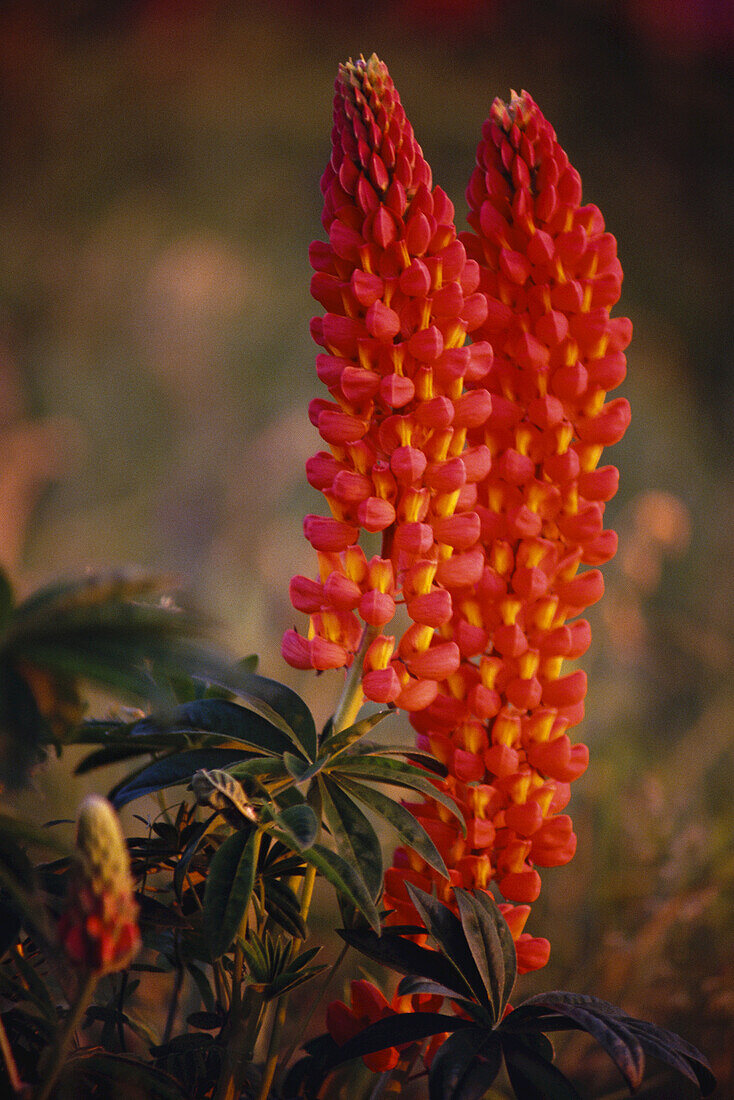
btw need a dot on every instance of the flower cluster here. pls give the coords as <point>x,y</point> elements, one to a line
<point>500,723</point>
<point>477,463</point>
<point>368,1005</point>
<point>98,929</point>
<point>401,297</point>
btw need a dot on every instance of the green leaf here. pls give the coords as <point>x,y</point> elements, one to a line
<point>395,773</point>
<point>199,831</point>
<point>229,888</point>
<point>344,879</point>
<point>125,1070</point>
<point>280,706</point>
<point>353,835</point>
<point>484,943</point>
<point>337,742</point>
<point>299,824</point>
<point>446,930</point>
<point>170,771</point>
<point>300,769</point>
<point>410,831</point>
<point>282,905</point>
<point>465,1065</point>
<point>533,1077</point>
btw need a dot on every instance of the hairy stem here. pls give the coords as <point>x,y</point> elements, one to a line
<point>351,697</point>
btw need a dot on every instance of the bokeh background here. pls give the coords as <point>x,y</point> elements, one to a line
<point>159,168</point>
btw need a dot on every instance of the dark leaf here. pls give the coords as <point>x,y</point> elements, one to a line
<point>198,832</point>
<point>205,1021</point>
<point>669,1048</point>
<point>410,830</point>
<point>533,1077</point>
<point>403,1027</point>
<point>23,731</point>
<point>406,957</point>
<point>465,1065</point>
<point>609,1028</point>
<point>353,835</point>
<point>279,705</point>
<point>6,599</point>
<point>125,1070</point>
<point>507,944</point>
<point>446,930</point>
<point>229,889</point>
<point>170,771</point>
<point>484,943</point>
<point>219,716</point>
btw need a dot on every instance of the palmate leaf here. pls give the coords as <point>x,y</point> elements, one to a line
<point>221,717</point>
<point>228,889</point>
<point>608,1028</point>
<point>96,630</point>
<point>533,1077</point>
<point>402,954</point>
<point>496,960</point>
<point>446,929</point>
<point>466,1065</point>
<point>353,835</point>
<point>124,1070</point>
<point>336,743</point>
<point>403,1027</point>
<point>279,705</point>
<point>410,831</point>
<point>171,771</point>
<point>296,824</point>
<point>623,1037</point>
<point>368,767</point>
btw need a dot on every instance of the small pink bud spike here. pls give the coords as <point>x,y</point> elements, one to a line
<point>98,930</point>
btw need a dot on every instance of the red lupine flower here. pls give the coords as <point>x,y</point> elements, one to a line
<point>500,719</point>
<point>98,929</point>
<point>400,297</point>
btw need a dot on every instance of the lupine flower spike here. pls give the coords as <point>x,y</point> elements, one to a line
<point>400,297</point>
<point>98,929</point>
<point>550,275</point>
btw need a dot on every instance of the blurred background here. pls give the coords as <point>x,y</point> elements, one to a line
<point>159,186</point>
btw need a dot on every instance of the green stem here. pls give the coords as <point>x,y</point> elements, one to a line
<point>351,698</point>
<point>71,1023</point>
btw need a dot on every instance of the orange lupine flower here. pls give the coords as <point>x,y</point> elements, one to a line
<point>500,721</point>
<point>98,929</point>
<point>400,297</point>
